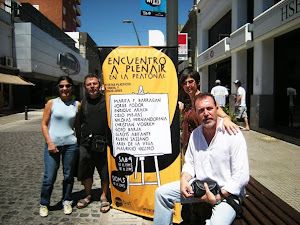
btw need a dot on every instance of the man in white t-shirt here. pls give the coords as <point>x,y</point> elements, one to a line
<point>240,104</point>
<point>220,93</point>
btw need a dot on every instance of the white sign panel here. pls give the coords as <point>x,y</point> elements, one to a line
<point>140,124</point>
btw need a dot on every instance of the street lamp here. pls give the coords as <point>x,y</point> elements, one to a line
<point>130,21</point>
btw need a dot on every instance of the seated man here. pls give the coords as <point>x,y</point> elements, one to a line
<point>212,155</point>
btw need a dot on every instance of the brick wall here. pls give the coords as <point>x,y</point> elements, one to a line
<point>53,10</point>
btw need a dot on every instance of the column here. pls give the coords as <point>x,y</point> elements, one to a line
<point>238,14</point>
<point>262,100</point>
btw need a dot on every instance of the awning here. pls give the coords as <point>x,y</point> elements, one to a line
<point>12,79</point>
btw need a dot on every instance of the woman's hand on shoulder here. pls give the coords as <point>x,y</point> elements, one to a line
<point>180,106</point>
<point>229,126</point>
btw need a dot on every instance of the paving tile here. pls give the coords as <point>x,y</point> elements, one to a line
<point>273,162</point>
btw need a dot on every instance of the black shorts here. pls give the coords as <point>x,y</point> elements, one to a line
<point>88,160</point>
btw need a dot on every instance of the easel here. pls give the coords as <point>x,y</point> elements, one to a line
<point>142,160</point>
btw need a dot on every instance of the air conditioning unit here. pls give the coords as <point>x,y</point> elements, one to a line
<point>9,61</point>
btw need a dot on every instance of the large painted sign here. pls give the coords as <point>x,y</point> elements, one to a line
<point>141,91</point>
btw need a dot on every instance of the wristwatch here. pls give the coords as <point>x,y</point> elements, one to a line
<point>218,200</point>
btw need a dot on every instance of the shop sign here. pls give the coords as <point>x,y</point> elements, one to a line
<point>290,9</point>
<point>68,63</point>
<point>183,46</point>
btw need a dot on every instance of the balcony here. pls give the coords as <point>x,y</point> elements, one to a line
<point>78,11</point>
<point>78,22</point>
<point>241,38</point>
<point>217,52</point>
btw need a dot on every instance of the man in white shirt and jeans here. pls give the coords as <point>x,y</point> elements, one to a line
<point>220,93</point>
<point>212,155</point>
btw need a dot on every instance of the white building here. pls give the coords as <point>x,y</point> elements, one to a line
<point>257,42</point>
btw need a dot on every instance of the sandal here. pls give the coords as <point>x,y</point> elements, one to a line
<point>85,202</point>
<point>104,203</point>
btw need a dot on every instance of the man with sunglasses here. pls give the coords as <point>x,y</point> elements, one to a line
<point>95,136</point>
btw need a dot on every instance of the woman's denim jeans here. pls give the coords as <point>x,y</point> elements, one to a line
<point>51,162</point>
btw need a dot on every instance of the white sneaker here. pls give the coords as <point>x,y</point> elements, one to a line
<point>44,211</point>
<point>68,209</point>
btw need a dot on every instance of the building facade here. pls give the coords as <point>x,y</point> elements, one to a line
<point>41,52</point>
<point>87,49</point>
<point>63,13</point>
<point>256,42</point>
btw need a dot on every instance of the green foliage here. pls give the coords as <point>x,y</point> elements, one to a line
<point>232,115</point>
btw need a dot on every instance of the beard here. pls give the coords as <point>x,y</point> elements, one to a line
<point>209,125</point>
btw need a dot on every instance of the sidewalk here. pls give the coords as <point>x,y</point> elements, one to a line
<point>274,163</point>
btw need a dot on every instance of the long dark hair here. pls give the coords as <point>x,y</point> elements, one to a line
<point>184,97</point>
<point>189,72</point>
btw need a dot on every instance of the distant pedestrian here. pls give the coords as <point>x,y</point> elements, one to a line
<point>59,119</point>
<point>95,136</point>
<point>220,93</point>
<point>240,104</point>
<point>291,93</point>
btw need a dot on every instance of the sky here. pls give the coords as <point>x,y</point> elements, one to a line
<point>103,21</point>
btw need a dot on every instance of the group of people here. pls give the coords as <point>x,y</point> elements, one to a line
<point>213,147</point>
<point>81,151</point>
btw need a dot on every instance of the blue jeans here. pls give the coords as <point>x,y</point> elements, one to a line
<point>168,194</point>
<point>51,162</point>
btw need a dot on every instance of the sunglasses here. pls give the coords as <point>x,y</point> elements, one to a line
<point>188,82</point>
<point>64,85</point>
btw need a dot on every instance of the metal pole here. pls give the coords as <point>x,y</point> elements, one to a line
<point>26,112</point>
<point>172,23</point>
<point>136,34</point>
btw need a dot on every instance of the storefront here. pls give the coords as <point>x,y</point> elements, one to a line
<point>277,33</point>
<point>9,84</point>
<point>41,59</point>
<point>262,51</point>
